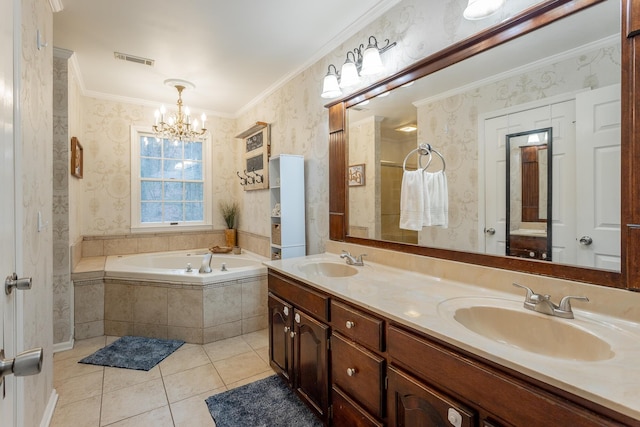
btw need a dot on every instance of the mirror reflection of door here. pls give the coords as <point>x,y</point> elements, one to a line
<point>528,204</point>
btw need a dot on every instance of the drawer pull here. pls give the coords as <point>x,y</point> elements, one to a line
<point>350,324</point>
<point>351,371</point>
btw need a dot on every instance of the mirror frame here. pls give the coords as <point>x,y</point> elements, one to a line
<point>548,189</point>
<point>525,22</point>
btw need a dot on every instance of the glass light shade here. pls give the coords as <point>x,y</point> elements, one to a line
<point>371,62</point>
<point>330,87</point>
<point>349,74</point>
<point>479,9</point>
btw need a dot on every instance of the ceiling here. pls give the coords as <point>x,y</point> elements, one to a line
<point>234,52</point>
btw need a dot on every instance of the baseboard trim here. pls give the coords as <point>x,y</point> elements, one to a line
<point>49,410</point>
<point>63,346</point>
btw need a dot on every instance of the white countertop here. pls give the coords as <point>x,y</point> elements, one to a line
<point>414,300</point>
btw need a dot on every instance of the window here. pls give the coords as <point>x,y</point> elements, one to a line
<point>169,183</point>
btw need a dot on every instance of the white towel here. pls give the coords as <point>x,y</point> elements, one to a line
<point>436,200</point>
<point>412,200</point>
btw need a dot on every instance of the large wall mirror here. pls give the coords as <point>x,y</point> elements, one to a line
<point>562,82</point>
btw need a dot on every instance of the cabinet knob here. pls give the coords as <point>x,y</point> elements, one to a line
<point>350,324</point>
<point>292,334</point>
<point>286,329</point>
<point>351,371</point>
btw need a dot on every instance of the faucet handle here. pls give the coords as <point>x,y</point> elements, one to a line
<point>359,259</point>
<point>565,302</point>
<point>531,296</point>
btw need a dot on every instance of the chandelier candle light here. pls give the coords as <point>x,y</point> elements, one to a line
<point>179,125</point>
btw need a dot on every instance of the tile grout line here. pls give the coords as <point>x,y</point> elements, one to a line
<point>166,395</point>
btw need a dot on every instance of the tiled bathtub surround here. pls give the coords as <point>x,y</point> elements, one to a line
<point>125,244</point>
<point>195,313</point>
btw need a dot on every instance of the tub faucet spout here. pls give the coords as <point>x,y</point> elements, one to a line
<point>206,264</point>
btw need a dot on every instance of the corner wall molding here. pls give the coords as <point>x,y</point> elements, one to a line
<point>56,5</point>
<point>61,53</point>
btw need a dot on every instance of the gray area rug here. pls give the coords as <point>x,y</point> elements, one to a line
<point>264,403</point>
<point>139,353</point>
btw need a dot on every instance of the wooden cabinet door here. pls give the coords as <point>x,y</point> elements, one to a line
<point>311,362</point>
<point>347,413</point>
<point>413,404</point>
<point>280,342</point>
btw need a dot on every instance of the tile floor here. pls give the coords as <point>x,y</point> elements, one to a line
<point>170,394</point>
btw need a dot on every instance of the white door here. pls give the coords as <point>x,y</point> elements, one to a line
<point>7,206</point>
<point>598,177</point>
<point>563,197</point>
<point>495,131</point>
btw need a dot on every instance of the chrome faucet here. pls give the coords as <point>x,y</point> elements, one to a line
<point>543,303</point>
<point>205,267</point>
<point>351,260</point>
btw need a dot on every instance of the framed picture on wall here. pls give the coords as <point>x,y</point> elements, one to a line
<point>257,146</point>
<point>356,175</point>
<point>77,161</point>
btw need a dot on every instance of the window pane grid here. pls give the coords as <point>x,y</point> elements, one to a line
<point>171,180</point>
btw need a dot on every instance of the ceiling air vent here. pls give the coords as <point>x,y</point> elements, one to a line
<point>133,58</point>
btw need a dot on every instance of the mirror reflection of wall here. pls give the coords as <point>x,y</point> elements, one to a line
<point>544,68</point>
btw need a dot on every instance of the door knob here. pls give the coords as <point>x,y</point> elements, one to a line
<point>12,281</point>
<point>586,240</point>
<point>490,231</point>
<point>26,363</point>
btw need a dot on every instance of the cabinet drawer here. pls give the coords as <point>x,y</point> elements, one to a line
<point>487,387</point>
<point>414,403</point>
<point>309,300</point>
<point>359,373</point>
<point>348,413</point>
<point>360,327</point>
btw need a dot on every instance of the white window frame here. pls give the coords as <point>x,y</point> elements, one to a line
<point>136,225</point>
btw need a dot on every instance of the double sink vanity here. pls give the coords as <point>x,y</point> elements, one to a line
<point>388,344</point>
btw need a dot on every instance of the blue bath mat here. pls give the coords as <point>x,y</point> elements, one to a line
<point>264,403</point>
<point>139,353</point>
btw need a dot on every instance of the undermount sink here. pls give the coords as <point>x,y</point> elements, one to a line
<point>328,269</point>
<point>507,322</point>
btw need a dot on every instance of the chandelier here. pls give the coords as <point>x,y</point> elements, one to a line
<point>179,125</point>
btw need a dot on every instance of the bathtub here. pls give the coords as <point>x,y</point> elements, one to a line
<point>155,295</point>
<point>173,267</point>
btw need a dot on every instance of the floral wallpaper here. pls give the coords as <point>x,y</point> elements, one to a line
<point>106,204</point>
<point>451,124</point>
<point>60,213</point>
<point>66,123</point>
